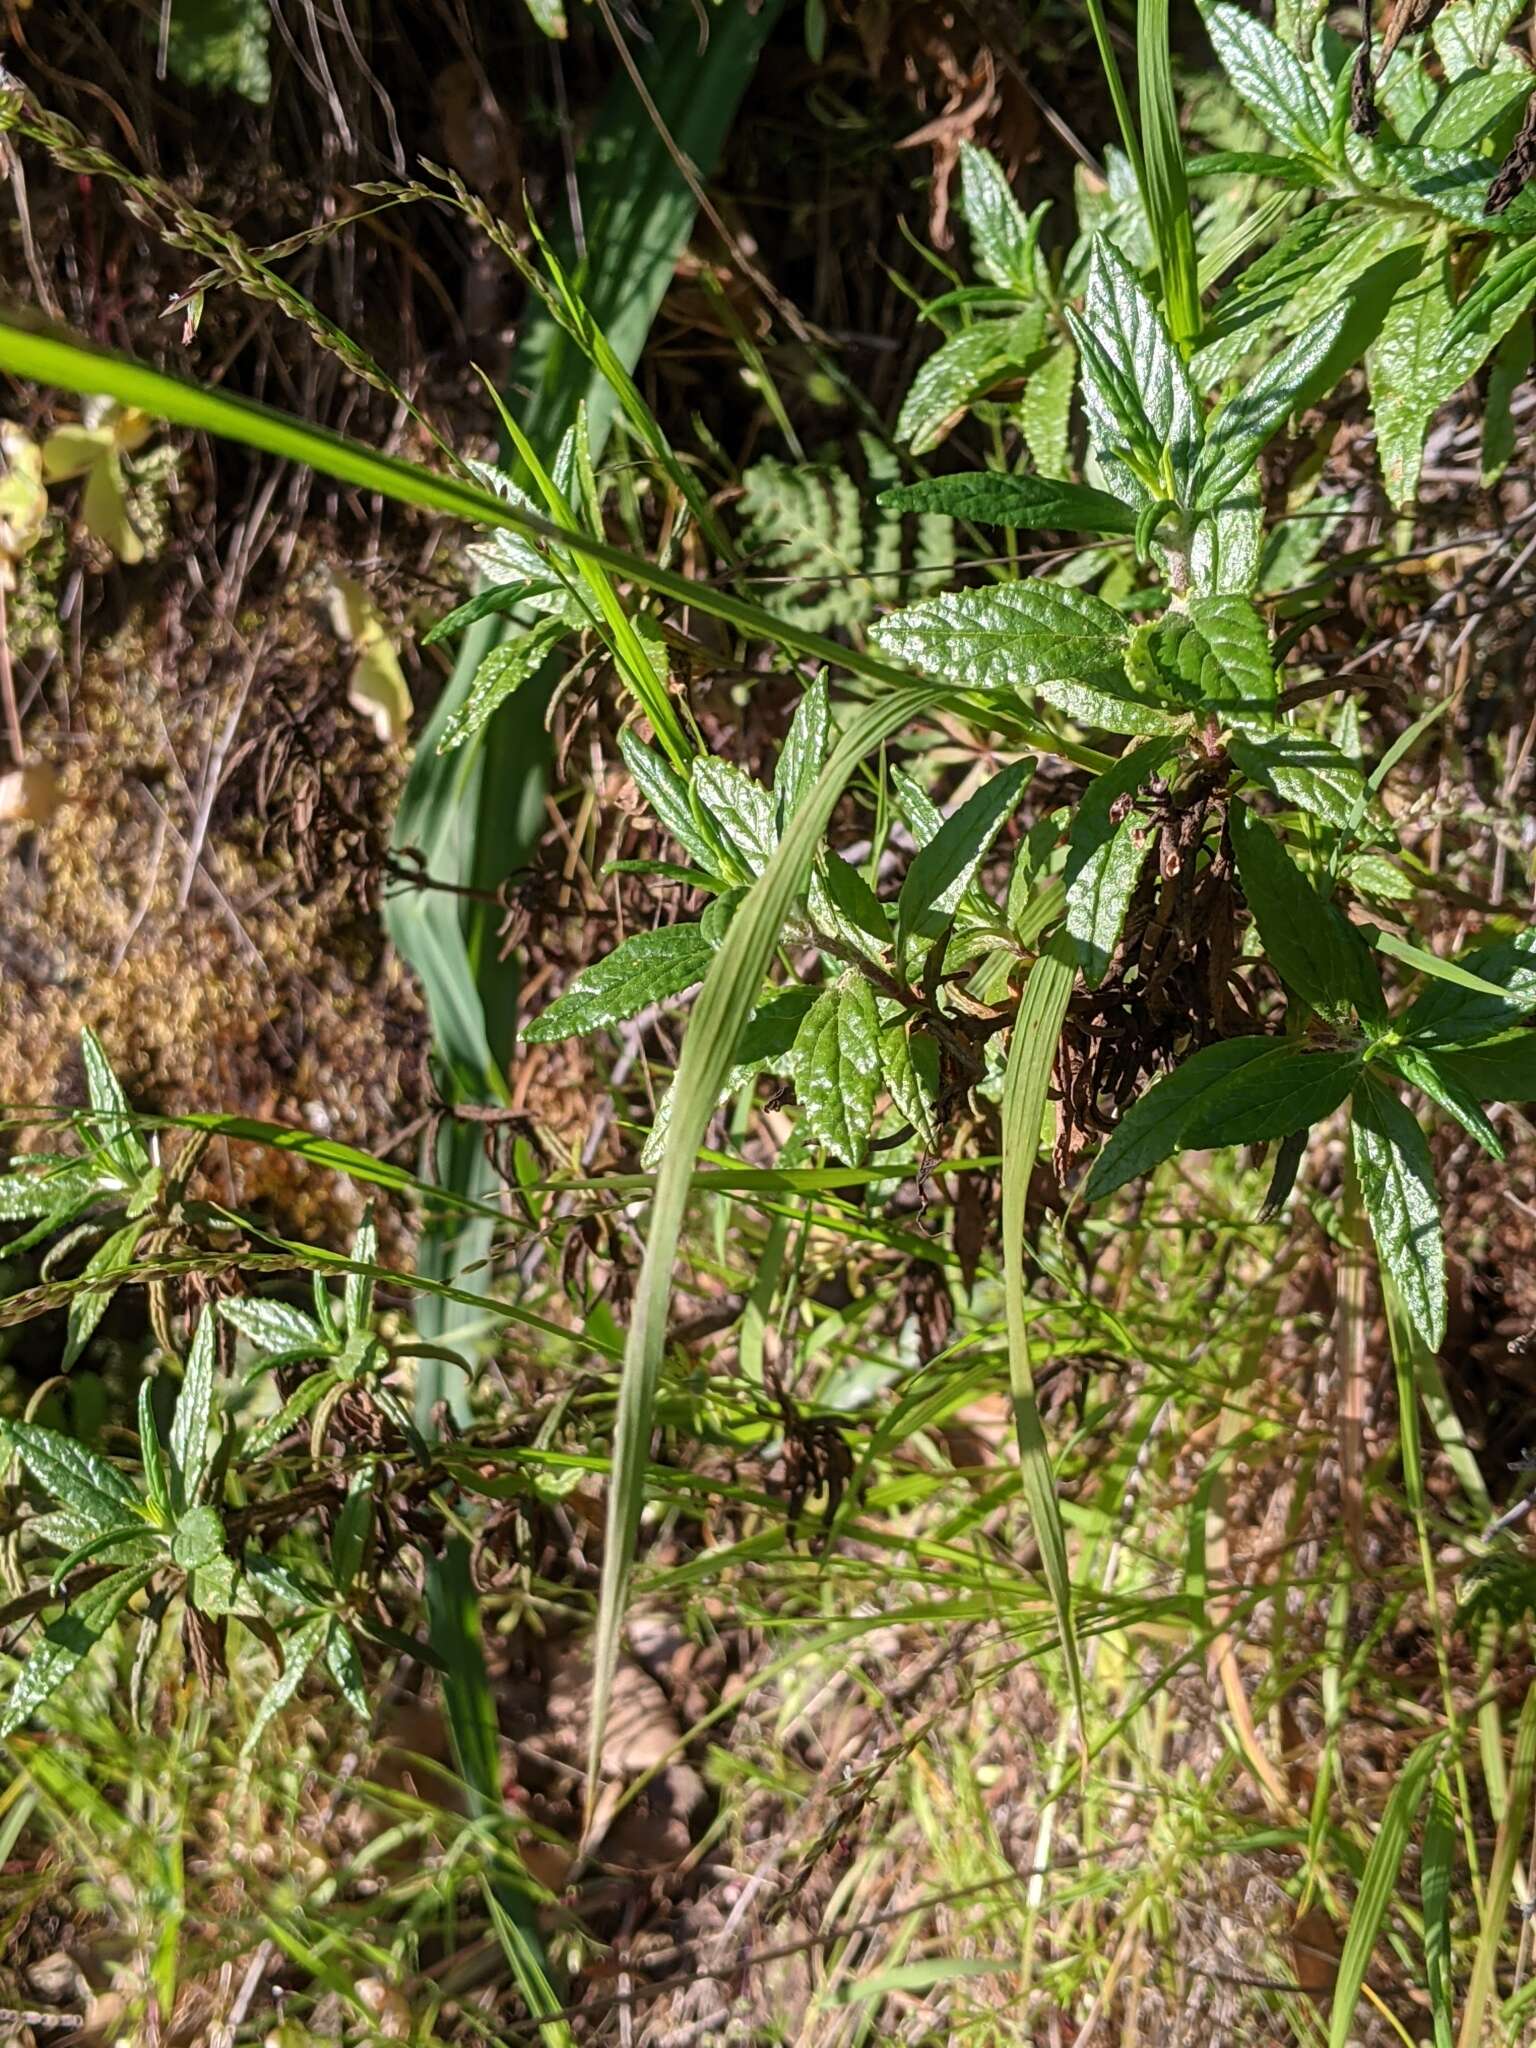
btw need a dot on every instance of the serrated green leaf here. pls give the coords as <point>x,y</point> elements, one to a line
<point>275,1326</point>
<point>1448,1092</point>
<point>1397,1183</point>
<point>963,370</point>
<point>221,45</point>
<point>1301,768</point>
<point>769,1033</point>
<point>1002,239</point>
<point>53,1189</point>
<point>667,794</point>
<point>1118,710</point>
<point>93,1491</point>
<point>836,1068</point>
<point>112,1117</point>
<point>993,497</point>
<point>68,1641</point>
<point>740,808</point>
<point>1105,855</point>
<point>1468,34</point>
<point>943,870</point>
<point>909,1061</point>
<point>1310,944</point>
<point>1268,79</point>
<point>1448,1013</point>
<point>645,969</point>
<point>346,1667</point>
<point>357,1298</point>
<point>198,1538</point>
<point>93,1295</point>
<point>1136,390</point>
<point>1045,410</point>
<point>506,667</point>
<point>804,753</point>
<point>1240,1091</point>
<point>1237,434</point>
<point>152,1458</point>
<point>1502,1069</point>
<point>300,1648</point>
<point>1217,652</point>
<point>194,1414</point>
<point>854,901</point>
<point>1013,636</point>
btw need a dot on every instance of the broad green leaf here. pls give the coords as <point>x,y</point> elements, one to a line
<point>1031,1058</point>
<point>198,1538</point>
<point>836,1068</point>
<point>1378,1887</point>
<point>156,1481</point>
<point>741,808</point>
<point>274,1326</point>
<point>1481,109</point>
<point>943,869</point>
<point>46,1187</point>
<point>1468,34</point>
<point>1002,239</point>
<point>221,45</point>
<point>804,753</point>
<point>194,1414</point>
<point>1240,1091</point>
<point>1397,1182</point>
<point>645,969</point>
<point>1449,1092</point>
<point>851,897</point>
<point>961,371</point>
<point>1045,410</point>
<point>769,1033</point>
<point>1105,852</point>
<point>1501,1070</point>
<point>93,1295</point>
<point>1114,709</point>
<point>1237,434</point>
<point>1136,389</point>
<point>300,1649</point>
<point>1225,551</point>
<point>68,1641</point>
<point>111,1114</point>
<point>909,1061</point>
<point>1301,768</point>
<point>667,794</point>
<point>1012,636</point>
<point>1311,945</point>
<point>1451,1014</point>
<point>995,497</point>
<point>93,1491</point>
<point>505,668</point>
<point>1215,651</point>
<point>346,1667</point>
<point>1268,79</point>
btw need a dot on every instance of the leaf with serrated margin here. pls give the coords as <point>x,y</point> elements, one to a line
<point>1301,768</point>
<point>357,1296</point>
<point>1397,1182</point>
<point>994,497</point>
<point>1446,1014</point>
<point>836,1068</point>
<point>68,1641</point>
<point>112,1116</point>
<point>93,1491</point>
<point>300,1650</point>
<point>1105,856</point>
<point>1215,651</point>
<point>1312,946</point>
<point>1269,81</point>
<point>346,1667</point>
<point>646,969</point>
<point>1010,637</point>
<point>1501,1069</point>
<point>942,870</point>
<point>961,371</point>
<point>1240,1091</point>
<point>274,1327</point>
<point>1237,434</point>
<point>1120,325</point>
<point>1045,410</point>
<point>194,1414</point>
<point>93,1295</point>
<point>503,671</point>
<point>1114,710</point>
<point>1002,239</point>
<point>667,794</point>
<point>1468,34</point>
<point>853,900</point>
<point>1448,1092</point>
<point>804,752</point>
<point>741,808</point>
<point>909,1061</point>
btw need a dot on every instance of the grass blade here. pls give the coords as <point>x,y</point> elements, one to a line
<point>1376,1888</point>
<point>1506,1853</point>
<point>1164,188</point>
<point>1031,1055</point>
<point>724,1003</point>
